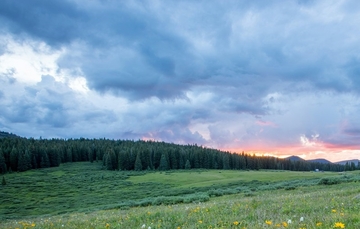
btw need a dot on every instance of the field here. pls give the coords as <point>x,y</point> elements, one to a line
<point>82,195</point>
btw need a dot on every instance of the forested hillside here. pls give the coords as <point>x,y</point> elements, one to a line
<point>7,135</point>
<point>21,154</point>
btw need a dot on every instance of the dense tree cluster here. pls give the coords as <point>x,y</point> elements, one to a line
<point>21,154</point>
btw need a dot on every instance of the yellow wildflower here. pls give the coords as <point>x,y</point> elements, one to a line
<point>285,224</point>
<point>339,225</point>
<point>107,225</point>
<point>236,223</point>
<point>318,224</point>
<point>268,222</point>
<point>333,211</point>
<point>200,221</point>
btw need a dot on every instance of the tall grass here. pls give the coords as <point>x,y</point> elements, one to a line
<point>305,207</point>
<point>82,195</point>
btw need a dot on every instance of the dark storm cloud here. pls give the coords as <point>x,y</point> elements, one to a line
<point>227,73</point>
<point>139,50</point>
<point>56,22</point>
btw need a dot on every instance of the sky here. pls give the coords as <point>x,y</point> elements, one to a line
<point>267,77</point>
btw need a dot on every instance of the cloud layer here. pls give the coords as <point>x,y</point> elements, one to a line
<point>257,76</point>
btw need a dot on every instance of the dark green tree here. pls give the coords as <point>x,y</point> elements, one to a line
<point>13,159</point>
<point>3,168</point>
<point>138,165</point>
<point>3,182</point>
<point>187,164</point>
<point>110,160</point>
<point>164,165</point>
<point>44,163</point>
<point>24,162</point>
<point>226,161</point>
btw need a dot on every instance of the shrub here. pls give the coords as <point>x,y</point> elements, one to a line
<point>290,188</point>
<point>329,181</point>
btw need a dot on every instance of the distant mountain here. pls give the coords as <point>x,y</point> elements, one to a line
<point>7,135</point>
<point>320,160</point>
<point>294,158</point>
<point>356,162</point>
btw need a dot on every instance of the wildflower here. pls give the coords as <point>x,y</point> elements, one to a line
<point>301,219</point>
<point>318,224</point>
<point>333,210</point>
<point>143,226</point>
<point>339,225</point>
<point>268,222</point>
<point>149,227</point>
<point>107,225</point>
<point>200,221</point>
<point>236,223</point>
<point>289,221</point>
<point>33,224</point>
<point>285,224</point>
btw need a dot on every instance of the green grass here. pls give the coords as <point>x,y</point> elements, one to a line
<point>76,194</point>
<point>201,178</point>
<point>320,206</point>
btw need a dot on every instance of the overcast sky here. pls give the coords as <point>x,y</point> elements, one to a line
<point>268,77</point>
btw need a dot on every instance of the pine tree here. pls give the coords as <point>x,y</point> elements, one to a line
<point>2,163</point>
<point>24,162</point>
<point>90,154</point>
<point>110,160</point>
<point>3,182</point>
<point>164,165</point>
<point>187,164</point>
<point>44,163</point>
<point>226,161</point>
<point>138,164</point>
<point>13,159</point>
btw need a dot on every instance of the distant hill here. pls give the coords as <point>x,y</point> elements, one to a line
<point>7,135</point>
<point>294,158</point>
<point>356,162</point>
<point>323,161</point>
<point>320,160</point>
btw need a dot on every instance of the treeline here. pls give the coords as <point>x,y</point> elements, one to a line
<point>7,135</point>
<point>21,154</point>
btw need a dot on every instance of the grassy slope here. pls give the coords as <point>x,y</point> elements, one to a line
<point>216,177</point>
<point>84,187</point>
<point>320,206</point>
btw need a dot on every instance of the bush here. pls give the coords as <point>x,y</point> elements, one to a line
<point>329,181</point>
<point>290,188</point>
<point>214,192</point>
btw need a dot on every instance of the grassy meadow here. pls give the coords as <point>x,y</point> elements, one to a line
<point>83,195</point>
